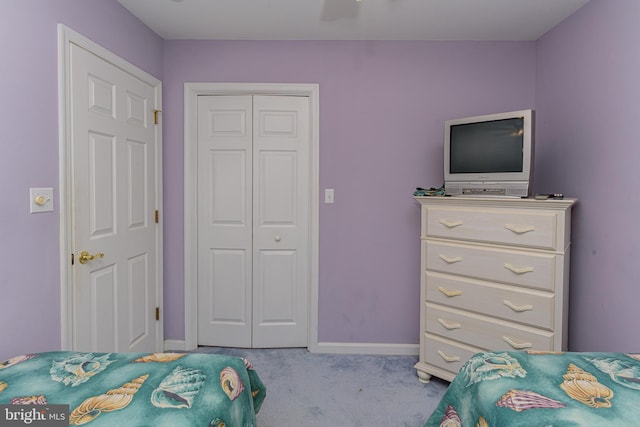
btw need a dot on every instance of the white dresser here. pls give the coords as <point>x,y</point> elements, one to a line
<point>495,276</point>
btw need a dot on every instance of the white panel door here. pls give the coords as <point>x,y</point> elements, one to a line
<point>280,221</point>
<point>113,185</point>
<point>253,226</point>
<point>224,220</point>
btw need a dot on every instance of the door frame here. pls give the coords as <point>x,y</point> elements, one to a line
<point>67,37</point>
<point>191,93</point>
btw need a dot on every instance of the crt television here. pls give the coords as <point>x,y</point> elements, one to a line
<point>490,155</point>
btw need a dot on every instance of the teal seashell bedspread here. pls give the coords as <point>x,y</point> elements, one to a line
<point>517,388</point>
<point>137,389</point>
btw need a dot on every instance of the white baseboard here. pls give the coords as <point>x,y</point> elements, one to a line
<point>334,348</point>
<point>367,348</point>
<point>174,345</point>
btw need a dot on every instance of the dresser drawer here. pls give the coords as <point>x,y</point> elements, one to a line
<point>484,332</point>
<point>530,269</point>
<point>500,226</point>
<point>445,354</point>
<point>533,308</point>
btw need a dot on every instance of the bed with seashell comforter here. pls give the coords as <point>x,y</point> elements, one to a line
<point>543,389</point>
<point>137,389</point>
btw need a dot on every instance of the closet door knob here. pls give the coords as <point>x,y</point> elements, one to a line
<point>277,238</point>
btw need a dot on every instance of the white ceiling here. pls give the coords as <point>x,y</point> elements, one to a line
<point>352,19</point>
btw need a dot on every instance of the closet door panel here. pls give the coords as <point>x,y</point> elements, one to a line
<point>224,220</point>
<point>281,224</point>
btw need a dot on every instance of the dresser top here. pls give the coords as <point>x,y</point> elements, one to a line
<point>508,202</point>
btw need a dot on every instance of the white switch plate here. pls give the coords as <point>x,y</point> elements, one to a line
<point>40,200</point>
<point>328,195</point>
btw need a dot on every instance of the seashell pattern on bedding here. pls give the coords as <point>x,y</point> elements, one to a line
<point>112,400</point>
<point>559,389</point>
<point>624,372</point>
<point>78,368</point>
<point>450,418</point>
<point>247,364</point>
<point>178,389</point>
<point>15,360</point>
<point>585,388</point>
<point>521,400</point>
<point>633,356</point>
<point>231,383</point>
<point>159,357</point>
<point>491,366</point>
<point>29,400</point>
<point>137,389</point>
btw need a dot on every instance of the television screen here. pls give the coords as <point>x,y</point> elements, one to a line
<point>487,147</point>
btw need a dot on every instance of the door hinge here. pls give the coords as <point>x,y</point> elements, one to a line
<point>157,313</point>
<point>157,216</point>
<point>155,116</point>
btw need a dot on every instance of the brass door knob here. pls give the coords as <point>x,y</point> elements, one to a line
<point>85,256</point>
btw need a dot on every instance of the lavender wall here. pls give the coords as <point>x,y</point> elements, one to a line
<point>382,110</point>
<point>29,248</point>
<point>587,92</point>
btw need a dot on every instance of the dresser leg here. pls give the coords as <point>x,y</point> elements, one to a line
<point>423,377</point>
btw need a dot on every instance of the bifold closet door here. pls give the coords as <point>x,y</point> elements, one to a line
<point>253,220</point>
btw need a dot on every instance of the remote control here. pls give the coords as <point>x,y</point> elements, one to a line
<point>555,196</point>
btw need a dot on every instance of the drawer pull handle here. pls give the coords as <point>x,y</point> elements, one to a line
<point>517,345</point>
<point>450,224</point>
<point>449,293</point>
<point>449,326</point>
<point>517,308</point>
<point>518,270</point>
<point>519,229</point>
<point>450,259</point>
<point>448,358</point>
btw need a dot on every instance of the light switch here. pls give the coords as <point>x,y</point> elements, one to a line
<point>40,200</point>
<point>328,195</point>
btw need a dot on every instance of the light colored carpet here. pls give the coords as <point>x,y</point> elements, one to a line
<point>310,389</point>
